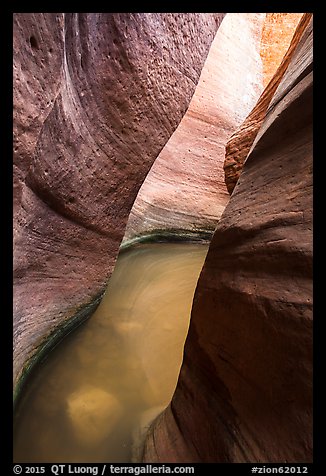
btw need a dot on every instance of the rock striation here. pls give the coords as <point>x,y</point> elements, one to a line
<point>277,34</point>
<point>245,389</point>
<point>184,193</point>
<point>240,142</point>
<point>96,97</point>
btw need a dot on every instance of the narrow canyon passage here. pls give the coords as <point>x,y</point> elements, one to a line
<point>168,129</point>
<point>96,393</point>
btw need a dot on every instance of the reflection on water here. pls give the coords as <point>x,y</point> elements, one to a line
<point>89,399</point>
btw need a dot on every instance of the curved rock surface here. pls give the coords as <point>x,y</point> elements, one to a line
<point>277,35</point>
<point>245,389</point>
<point>239,144</point>
<point>185,188</point>
<point>96,97</point>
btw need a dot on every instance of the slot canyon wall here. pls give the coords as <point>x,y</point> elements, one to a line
<point>239,143</point>
<point>185,192</point>
<point>96,97</point>
<point>245,389</point>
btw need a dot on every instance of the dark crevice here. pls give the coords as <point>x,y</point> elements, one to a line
<point>33,42</point>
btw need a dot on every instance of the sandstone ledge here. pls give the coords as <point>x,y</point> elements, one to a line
<point>172,235</point>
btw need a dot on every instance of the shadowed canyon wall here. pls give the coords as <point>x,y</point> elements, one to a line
<point>96,97</point>
<point>244,391</point>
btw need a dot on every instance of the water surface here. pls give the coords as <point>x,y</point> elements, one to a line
<point>97,391</point>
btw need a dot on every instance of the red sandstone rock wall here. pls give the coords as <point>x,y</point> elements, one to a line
<point>277,34</point>
<point>185,188</point>
<point>239,144</point>
<point>245,389</point>
<point>96,97</point>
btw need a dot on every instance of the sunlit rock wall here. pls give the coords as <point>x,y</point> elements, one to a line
<point>185,194</point>
<point>96,97</point>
